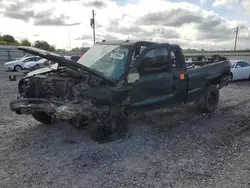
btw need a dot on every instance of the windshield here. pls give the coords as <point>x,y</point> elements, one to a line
<point>110,60</point>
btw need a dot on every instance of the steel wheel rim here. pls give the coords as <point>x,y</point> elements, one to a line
<point>212,99</point>
<point>112,127</point>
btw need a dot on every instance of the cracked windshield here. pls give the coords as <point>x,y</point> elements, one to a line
<point>108,59</point>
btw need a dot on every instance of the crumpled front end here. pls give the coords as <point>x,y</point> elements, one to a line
<point>61,110</point>
<point>59,94</point>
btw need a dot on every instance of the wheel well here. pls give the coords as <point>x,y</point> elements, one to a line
<point>17,66</point>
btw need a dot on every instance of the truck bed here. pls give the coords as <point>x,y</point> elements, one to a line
<point>200,77</point>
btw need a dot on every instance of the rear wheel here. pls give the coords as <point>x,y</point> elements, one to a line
<point>113,127</point>
<point>231,77</point>
<point>17,68</point>
<point>43,117</point>
<point>209,101</point>
<point>37,66</point>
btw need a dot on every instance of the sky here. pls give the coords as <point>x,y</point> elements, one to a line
<point>200,24</point>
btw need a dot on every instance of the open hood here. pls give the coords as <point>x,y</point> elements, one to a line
<point>63,61</point>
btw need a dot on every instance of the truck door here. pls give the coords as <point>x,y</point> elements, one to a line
<point>180,76</point>
<point>154,87</point>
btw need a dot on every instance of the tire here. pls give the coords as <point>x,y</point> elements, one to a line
<point>112,128</point>
<point>43,117</point>
<point>37,66</point>
<point>231,78</point>
<point>208,103</point>
<point>17,68</point>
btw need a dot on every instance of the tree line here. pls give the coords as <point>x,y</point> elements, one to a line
<point>10,40</point>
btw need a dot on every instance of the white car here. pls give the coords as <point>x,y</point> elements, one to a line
<point>73,57</point>
<point>18,65</point>
<point>42,70</point>
<point>37,64</point>
<point>240,70</point>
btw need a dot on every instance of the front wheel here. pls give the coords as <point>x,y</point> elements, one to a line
<point>209,101</point>
<point>37,66</point>
<point>112,128</point>
<point>17,68</point>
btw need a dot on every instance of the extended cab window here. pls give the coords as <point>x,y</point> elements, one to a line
<point>154,62</point>
<point>176,58</point>
<point>173,59</point>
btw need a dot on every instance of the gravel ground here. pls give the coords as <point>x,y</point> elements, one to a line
<point>169,148</point>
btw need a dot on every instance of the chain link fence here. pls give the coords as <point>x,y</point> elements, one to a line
<point>10,53</point>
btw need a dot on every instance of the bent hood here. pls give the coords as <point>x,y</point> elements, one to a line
<point>62,62</point>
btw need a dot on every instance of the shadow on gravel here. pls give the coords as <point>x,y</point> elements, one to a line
<point>190,152</point>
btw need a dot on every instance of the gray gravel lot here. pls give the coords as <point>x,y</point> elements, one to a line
<point>170,148</point>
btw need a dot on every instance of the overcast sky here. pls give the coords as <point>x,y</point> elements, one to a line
<point>191,24</point>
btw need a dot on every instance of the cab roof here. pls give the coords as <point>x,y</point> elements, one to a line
<point>131,43</point>
<point>125,43</point>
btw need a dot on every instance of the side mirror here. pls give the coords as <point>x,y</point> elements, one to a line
<point>238,66</point>
<point>133,77</point>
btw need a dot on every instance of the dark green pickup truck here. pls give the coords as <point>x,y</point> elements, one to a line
<point>113,79</point>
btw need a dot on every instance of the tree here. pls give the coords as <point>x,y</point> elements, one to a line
<point>3,42</point>
<point>9,39</point>
<point>81,50</point>
<point>25,42</point>
<point>44,45</point>
<point>60,50</point>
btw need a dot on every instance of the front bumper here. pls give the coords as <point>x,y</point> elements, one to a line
<point>61,109</point>
<point>7,68</point>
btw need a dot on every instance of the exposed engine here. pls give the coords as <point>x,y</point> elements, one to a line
<point>61,94</point>
<point>64,84</point>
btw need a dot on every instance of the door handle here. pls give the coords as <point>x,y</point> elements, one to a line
<point>175,77</point>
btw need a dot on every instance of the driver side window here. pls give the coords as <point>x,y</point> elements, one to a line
<point>28,59</point>
<point>155,61</point>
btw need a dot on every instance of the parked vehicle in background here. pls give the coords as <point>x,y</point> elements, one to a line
<point>114,79</point>
<point>73,57</point>
<point>22,57</point>
<point>33,65</point>
<point>18,65</point>
<point>240,70</point>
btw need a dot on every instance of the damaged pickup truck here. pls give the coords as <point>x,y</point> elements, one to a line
<point>113,79</point>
